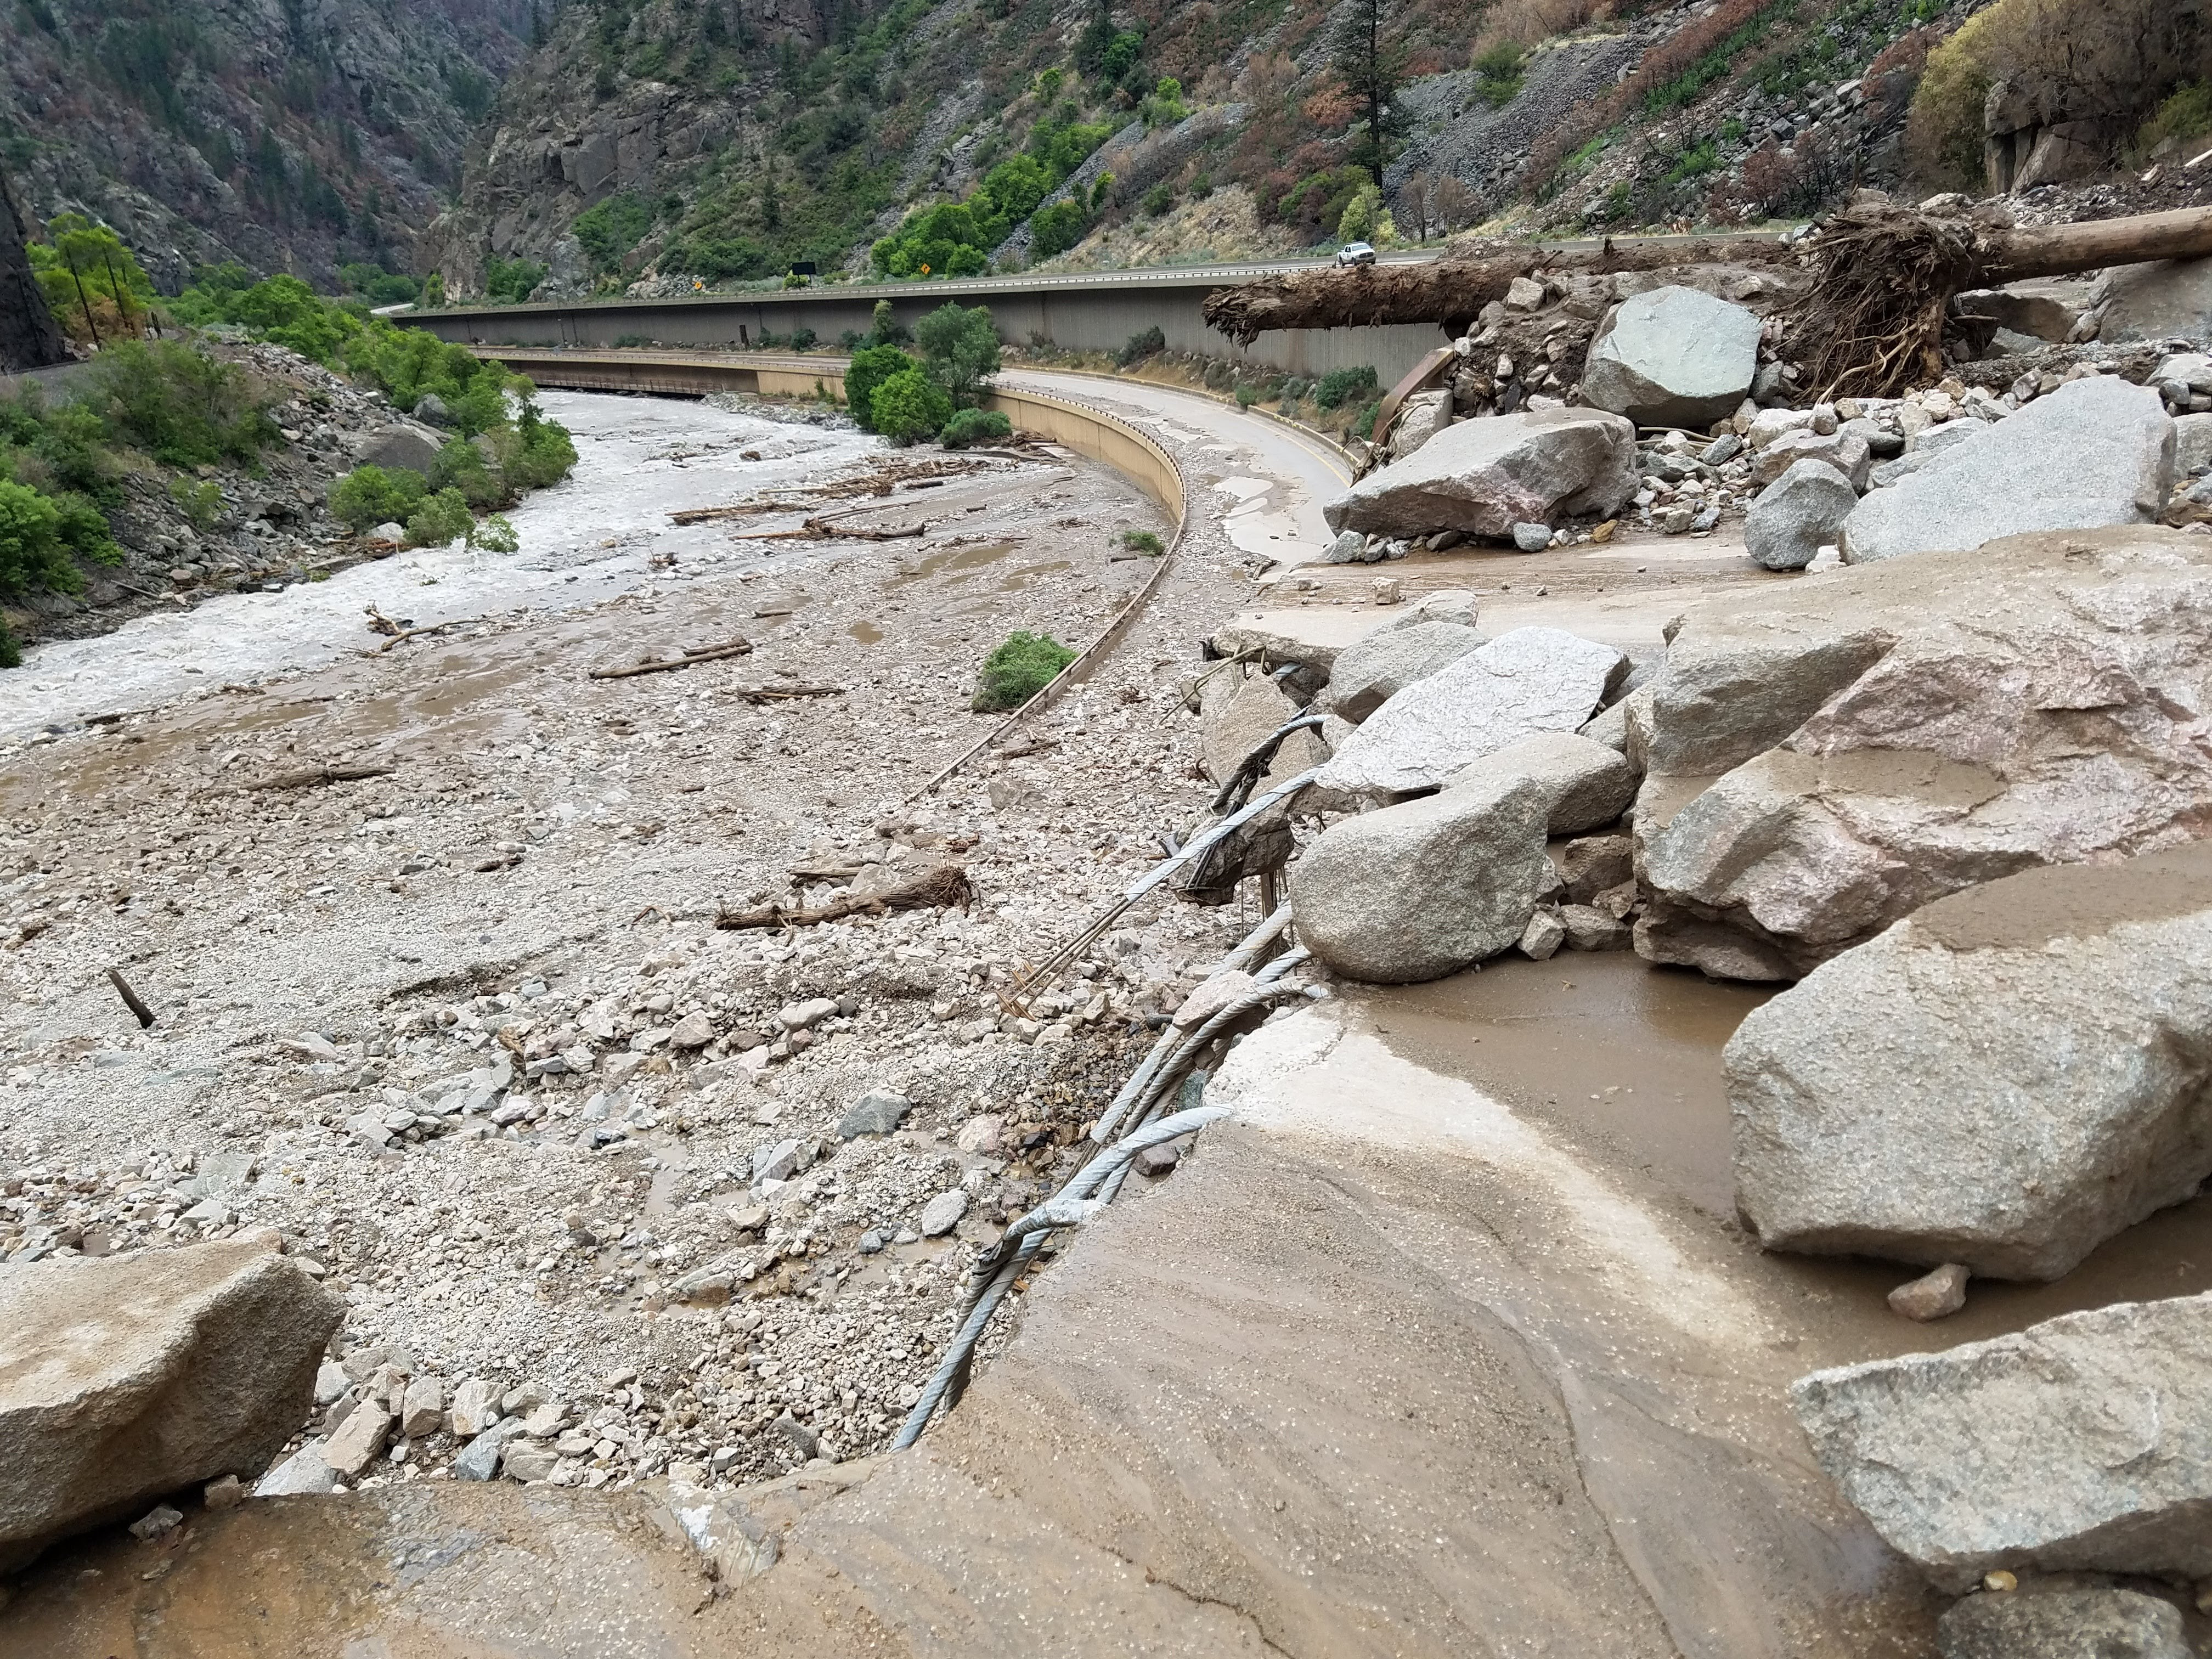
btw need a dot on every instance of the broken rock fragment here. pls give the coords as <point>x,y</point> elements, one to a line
<point>1527,681</point>
<point>1482,477</point>
<point>2002,1081</point>
<point>123,1378</point>
<point>2083,1443</point>
<point>1674,357</point>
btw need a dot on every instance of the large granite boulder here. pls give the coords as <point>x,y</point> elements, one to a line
<point>1529,680</point>
<point>1673,356</point>
<point>1482,477</point>
<point>1238,713</point>
<point>1420,889</point>
<point>2080,1444</point>
<point>2164,300</point>
<point>1847,452</point>
<point>2096,452</point>
<point>1798,514</point>
<point>2004,1079</point>
<point>125,1379</point>
<point>406,444</point>
<point>1373,670</point>
<point>1827,757</point>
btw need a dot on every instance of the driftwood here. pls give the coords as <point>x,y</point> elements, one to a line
<point>946,885</point>
<point>786,693</point>
<point>319,775</point>
<point>1871,325</point>
<point>139,1011</point>
<point>666,665</point>
<point>822,530</point>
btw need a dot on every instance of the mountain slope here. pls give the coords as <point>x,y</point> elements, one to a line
<point>289,134</point>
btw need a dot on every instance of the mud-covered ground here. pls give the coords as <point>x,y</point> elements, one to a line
<point>432,1024</point>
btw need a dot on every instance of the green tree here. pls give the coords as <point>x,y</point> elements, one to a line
<point>89,275</point>
<point>959,350</point>
<point>1370,69</point>
<point>869,369</point>
<point>974,426</point>
<point>910,406</point>
<point>1361,215</point>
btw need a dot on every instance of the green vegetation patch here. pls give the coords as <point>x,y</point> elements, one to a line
<point>1017,670</point>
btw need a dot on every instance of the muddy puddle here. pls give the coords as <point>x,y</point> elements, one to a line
<point>954,560</point>
<point>1623,1060</point>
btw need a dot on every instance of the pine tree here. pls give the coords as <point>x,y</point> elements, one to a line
<point>1370,71</point>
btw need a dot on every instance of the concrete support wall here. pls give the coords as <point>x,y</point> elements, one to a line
<point>1090,315</point>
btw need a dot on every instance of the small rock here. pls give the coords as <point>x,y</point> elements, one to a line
<point>980,1134</point>
<point>365,1433</point>
<point>422,1408</point>
<point>1934,1294</point>
<point>942,1213</point>
<point>520,1460</point>
<point>1531,537</point>
<point>2070,1623</point>
<point>808,1442</point>
<point>475,1408</point>
<point>1590,928</point>
<point>694,1030</point>
<point>799,1015</point>
<point>777,1162</point>
<point>1156,1161</point>
<point>156,1522</point>
<point>227,1493</point>
<point>304,1471</point>
<point>1541,938</point>
<point>876,1113</point>
<point>479,1459</point>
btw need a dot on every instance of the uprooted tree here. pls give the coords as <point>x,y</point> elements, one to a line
<point>1870,324</point>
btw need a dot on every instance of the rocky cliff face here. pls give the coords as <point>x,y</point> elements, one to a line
<point>289,134</point>
<point>29,335</point>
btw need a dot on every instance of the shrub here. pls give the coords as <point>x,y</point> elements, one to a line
<point>509,281</point>
<point>1500,71</point>
<point>884,327</point>
<point>493,535</point>
<point>1057,228</point>
<point>1148,344</point>
<point>608,231</point>
<point>1157,200</point>
<point>200,502</point>
<point>369,495</point>
<point>868,370</point>
<point>1019,670</point>
<point>38,534</point>
<point>909,406</point>
<point>1143,541</point>
<point>974,426</point>
<point>180,404</point>
<point>440,519</point>
<point>11,654</point>
<point>2187,114</point>
<point>802,339</point>
<point>959,350</point>
<point>1943,128</point>
<point>1340,386</point>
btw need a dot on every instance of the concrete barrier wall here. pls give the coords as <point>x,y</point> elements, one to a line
<point>1095,316</point>
<point>1090,433</point>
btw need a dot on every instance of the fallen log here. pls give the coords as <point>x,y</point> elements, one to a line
<point>1869,325</point>
<point>319,775</point>
<point>821,530</point>
<point>1448,292</point>
<point>131,999</point>
<point>759,694</point>
<point>945,885</point>
<point>667,665</point>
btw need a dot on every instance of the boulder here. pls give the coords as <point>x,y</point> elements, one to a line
<point>1798,514</point>
<point>1419,891</point>
<point>2097,451</point>
<point>125,1379</point>
<point>1376,668</point>
<point>2192,445</point>
<point>1529,680</point>
<point>1585,784</point>
<point>2002,1080</point>
<point>2083,1443</point>
<point>1445,605</point>
<point>1673,356</point>
<point>402,444</point>
<point>1237,714</point>
<point>1481,477</point>
<point>2166,299</point>
<point>2092,1621</point>
<point>1825,758</point>
<point>1849,453</point>
<point>1422,416</point>
<point>2038,315</point>
<point>1309,638</point>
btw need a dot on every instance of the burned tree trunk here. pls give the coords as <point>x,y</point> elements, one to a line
<point>29,338</point>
